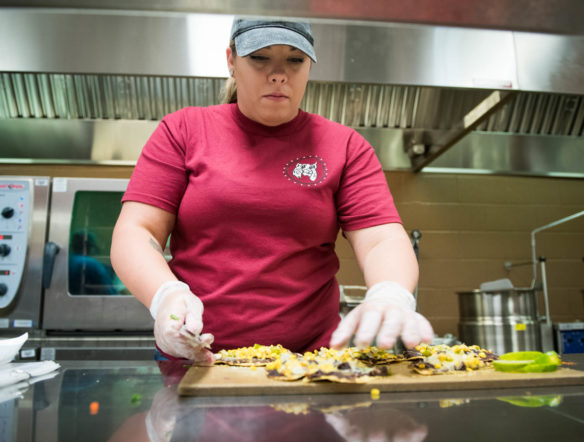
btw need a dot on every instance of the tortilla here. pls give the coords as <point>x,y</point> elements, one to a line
<point>376,356</point>
<point>439,359</point>
<point>324,365</point>
<point>255,356</point>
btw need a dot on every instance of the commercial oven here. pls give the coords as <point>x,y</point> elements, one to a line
<point>24,204</point>
<point>81,290</point>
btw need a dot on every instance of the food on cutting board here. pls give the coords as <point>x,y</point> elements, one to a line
<point>354,365</point>
<point>257,355</point>
<point>528,362</point>
<point>324,364</point>
<point>376,356</point>
<point>439,359</point>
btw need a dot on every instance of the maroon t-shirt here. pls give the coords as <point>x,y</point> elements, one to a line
<point>258,212</point>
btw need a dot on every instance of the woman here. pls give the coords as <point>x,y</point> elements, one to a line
<point>254,192</point>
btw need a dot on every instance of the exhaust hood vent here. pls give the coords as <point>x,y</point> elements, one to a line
<point>114,97</point>
<point>110,97</point>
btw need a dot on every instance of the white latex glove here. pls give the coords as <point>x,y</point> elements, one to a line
<point>387,312</point>
<point>173,306</point>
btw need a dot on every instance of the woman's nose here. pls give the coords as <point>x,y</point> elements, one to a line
<point>277,77</point>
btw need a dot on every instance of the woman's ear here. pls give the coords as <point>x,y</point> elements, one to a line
<point>229,54</point>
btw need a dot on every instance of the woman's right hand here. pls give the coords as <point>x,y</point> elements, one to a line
<point>181,307</point>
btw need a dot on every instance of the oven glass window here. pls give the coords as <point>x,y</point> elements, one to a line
<point>90,271</point>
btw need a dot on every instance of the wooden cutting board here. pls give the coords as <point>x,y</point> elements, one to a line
<point>222,380</point>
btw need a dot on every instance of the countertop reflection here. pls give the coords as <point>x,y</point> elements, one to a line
<point>137,401</point>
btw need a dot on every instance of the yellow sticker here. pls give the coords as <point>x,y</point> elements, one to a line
<point>520,327</point>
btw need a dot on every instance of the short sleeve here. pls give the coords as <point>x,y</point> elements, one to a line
<point>160,176</point>
<point>364,199</point>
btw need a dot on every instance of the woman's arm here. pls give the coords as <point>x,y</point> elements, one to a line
<point>137,256</point>
<point>138,241</point>
<point>385,253</point>
<point>390,269</point>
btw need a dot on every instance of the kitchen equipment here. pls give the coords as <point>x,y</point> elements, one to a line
<point>415,236</point>
<point>237,381</point>
<point>546,329</point>
<point>533,246</point>
<point>350,297</point>
<point>569,337</point>
<point>501,320</point>
<point>23,218</point>
<point>82,292</point>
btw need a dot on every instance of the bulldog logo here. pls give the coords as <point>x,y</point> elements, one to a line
<point>307,171</point>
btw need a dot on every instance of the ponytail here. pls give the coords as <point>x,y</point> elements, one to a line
<point>229,90</point>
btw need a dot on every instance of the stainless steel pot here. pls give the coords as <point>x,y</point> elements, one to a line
<point>501,321</point>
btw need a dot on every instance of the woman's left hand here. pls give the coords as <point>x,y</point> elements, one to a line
<point>386,313</point>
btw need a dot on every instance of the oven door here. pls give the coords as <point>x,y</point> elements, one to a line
<point>82,292</point>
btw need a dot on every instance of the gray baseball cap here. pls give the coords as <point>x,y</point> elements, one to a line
<point>251,35</point>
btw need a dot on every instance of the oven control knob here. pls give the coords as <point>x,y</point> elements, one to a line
<point>4,249</point>
<point>7,212</point>
<point>3,289</point>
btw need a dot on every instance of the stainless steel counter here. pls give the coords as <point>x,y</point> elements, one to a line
<point>127,400</point>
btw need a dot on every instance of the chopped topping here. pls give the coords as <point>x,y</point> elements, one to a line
<point>458,357</point>
<point>325,363</point>
<point>353,364</point>
<point>256,355</point>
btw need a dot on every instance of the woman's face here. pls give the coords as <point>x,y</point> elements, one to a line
<point>270,83</point>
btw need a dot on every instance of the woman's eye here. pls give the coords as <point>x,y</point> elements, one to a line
<point>296,60</point>
<point>258,58</point>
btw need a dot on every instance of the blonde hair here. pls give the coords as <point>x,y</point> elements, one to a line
<point>229,90</point>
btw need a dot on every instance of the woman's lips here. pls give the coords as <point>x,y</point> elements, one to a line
<point>276,97</point>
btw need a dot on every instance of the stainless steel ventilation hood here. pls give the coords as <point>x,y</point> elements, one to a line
<point>89,85</point>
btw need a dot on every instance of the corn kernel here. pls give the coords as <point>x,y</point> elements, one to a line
<point>375,394</point>
<point>438,365</point>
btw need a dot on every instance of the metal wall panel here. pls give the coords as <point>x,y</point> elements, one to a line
<point>193,45</point>
<point>548,16</point>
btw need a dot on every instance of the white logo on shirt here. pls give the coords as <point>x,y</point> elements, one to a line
<point>307,171</point>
